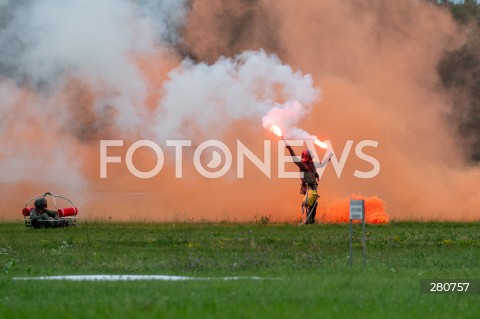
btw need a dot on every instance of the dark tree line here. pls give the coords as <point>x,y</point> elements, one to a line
<point>459,72</point>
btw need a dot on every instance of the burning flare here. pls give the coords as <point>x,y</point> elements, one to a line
<point>276,130</point>
<point>320,144</point>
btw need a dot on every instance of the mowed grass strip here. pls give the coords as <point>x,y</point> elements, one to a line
<point>304,269</point>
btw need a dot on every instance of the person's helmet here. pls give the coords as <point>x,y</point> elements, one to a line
<point>40,203</point>
<point>306,153</point>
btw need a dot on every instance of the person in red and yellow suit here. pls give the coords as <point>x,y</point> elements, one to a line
<point>309,180</point>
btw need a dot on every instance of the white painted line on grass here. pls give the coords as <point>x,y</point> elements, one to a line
<point>130,278</point>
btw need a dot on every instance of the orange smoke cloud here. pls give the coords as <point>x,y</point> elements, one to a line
<point>339,212</point>
<point>375,62</point>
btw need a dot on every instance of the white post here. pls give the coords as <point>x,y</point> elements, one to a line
<point>357,211</point>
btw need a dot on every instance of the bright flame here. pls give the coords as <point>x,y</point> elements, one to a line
<point>321,144</point>
<point>276,130</point>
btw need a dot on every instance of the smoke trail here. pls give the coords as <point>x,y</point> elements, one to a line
<point>287,117</point>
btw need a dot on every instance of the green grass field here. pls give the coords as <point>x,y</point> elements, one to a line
<point>304,271</point>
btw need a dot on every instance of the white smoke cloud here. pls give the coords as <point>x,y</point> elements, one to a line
<point>246,86</point>
<point>167,16</point>
<point>91,40</point>
<point>286,116</point>
<point>96,40</point>
<point>46,42</point>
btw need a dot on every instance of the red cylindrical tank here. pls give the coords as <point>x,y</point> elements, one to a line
<point>26,211</point>
<point>69,211</point>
